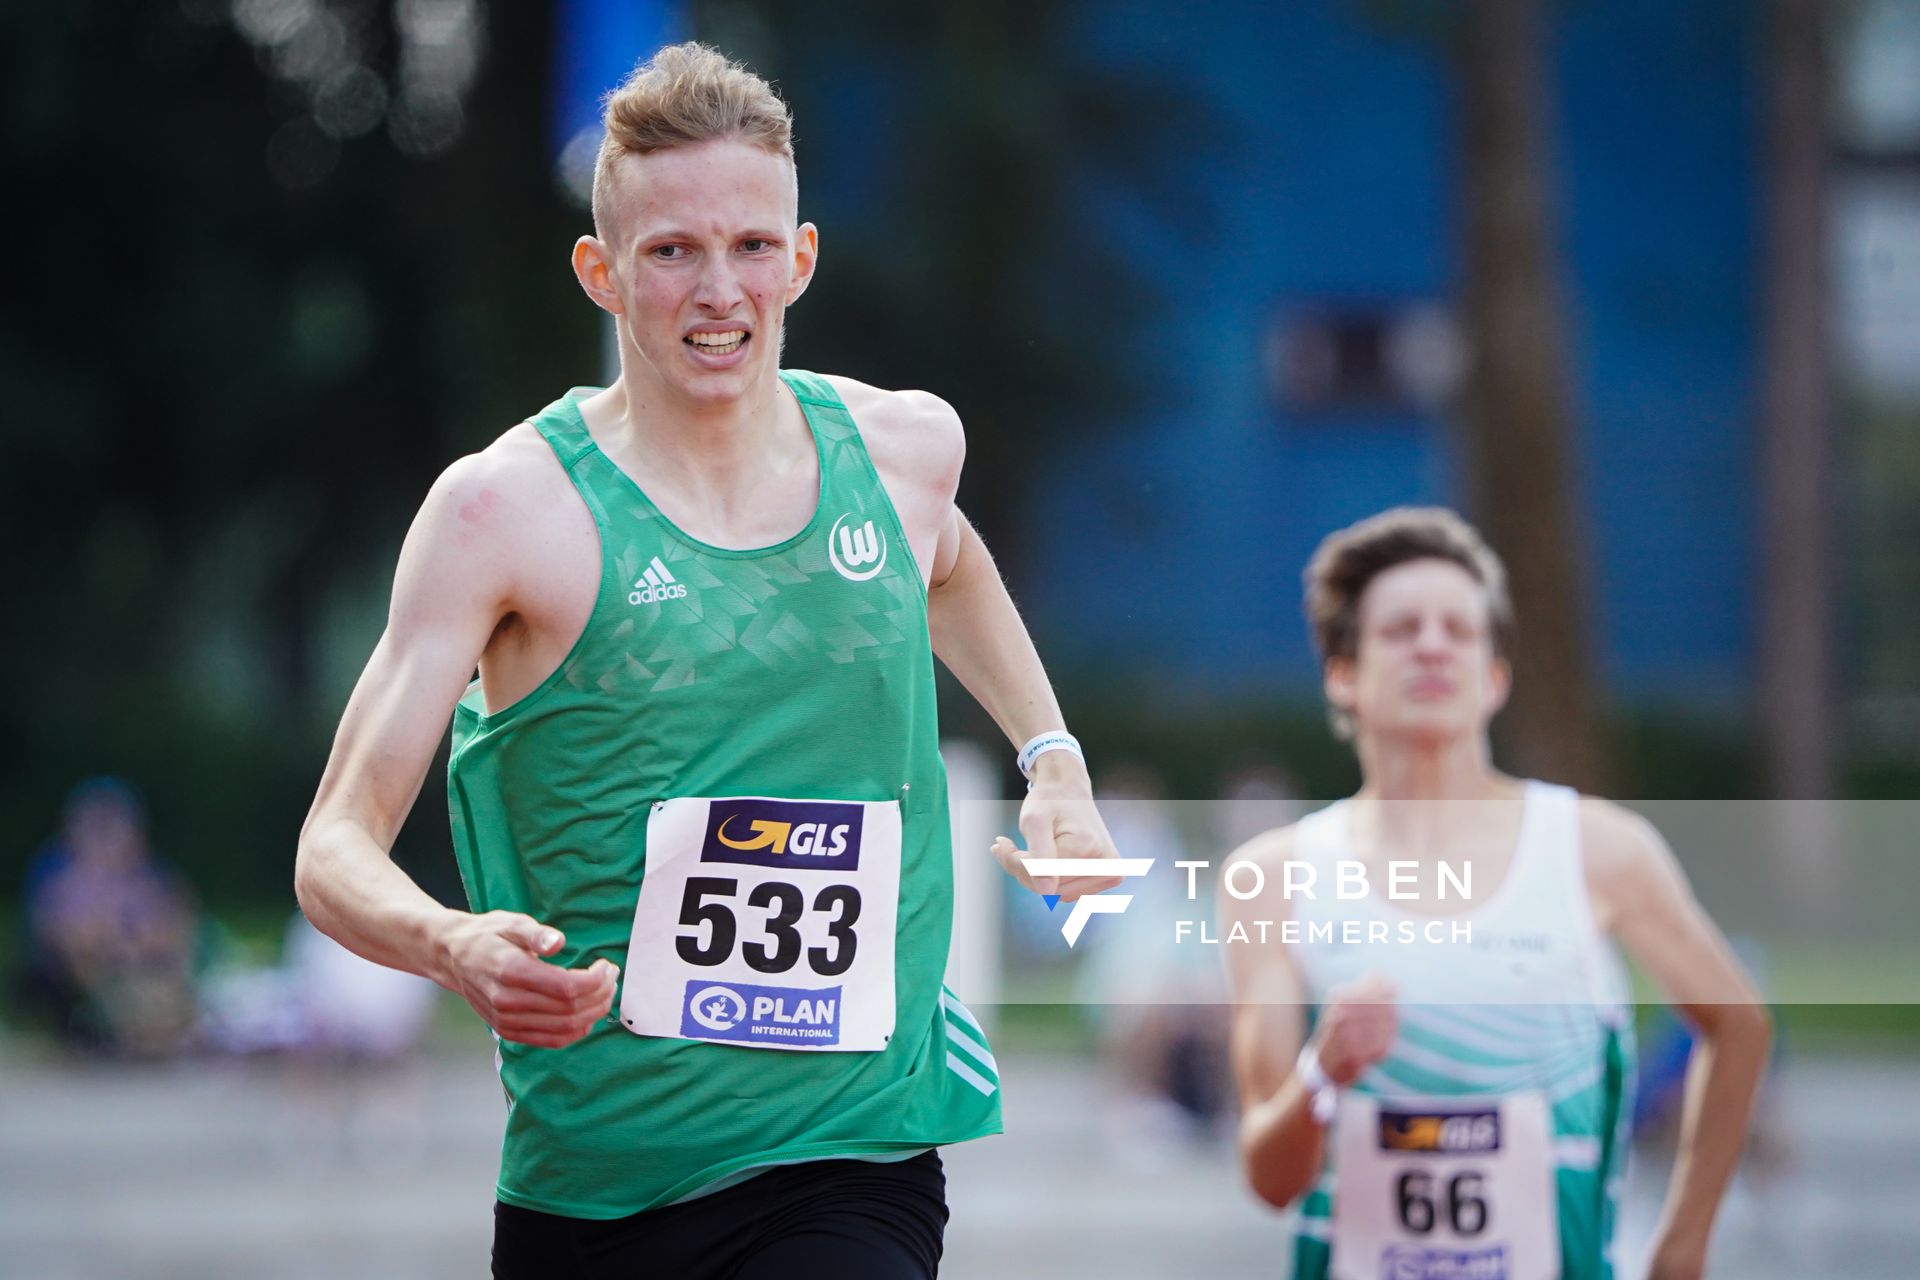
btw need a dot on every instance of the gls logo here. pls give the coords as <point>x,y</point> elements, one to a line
<point>1095,904</point>
<point>823,835</point>
<point>1472,1130</point>
<point>656,586</point>
<point>807,839</point>
<point>850,548</point>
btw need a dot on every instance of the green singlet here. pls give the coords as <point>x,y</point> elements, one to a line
<point>751,736</point>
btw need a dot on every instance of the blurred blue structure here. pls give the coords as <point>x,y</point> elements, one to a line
<point>1187,525</point>
<point>596,43</point>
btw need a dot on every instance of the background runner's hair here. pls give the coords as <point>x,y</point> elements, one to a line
<point>1348,559</point>
<point>689,93</point>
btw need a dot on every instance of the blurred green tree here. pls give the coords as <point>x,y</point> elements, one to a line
<point>984,278</point>
<point>1515,413</point>
<point>288,258</point>
<point>1517,410</point>
<point>271,290</point>
<point>1796,668</point>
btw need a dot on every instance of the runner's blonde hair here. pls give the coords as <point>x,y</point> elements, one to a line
<point>686,94</point>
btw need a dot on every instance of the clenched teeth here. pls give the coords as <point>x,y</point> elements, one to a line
<point>719,344</point>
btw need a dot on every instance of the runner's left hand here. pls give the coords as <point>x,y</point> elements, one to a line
<point>1059,820</point>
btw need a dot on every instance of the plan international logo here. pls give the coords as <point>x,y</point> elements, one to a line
<point>746,1013</point>
<point>1094,904</point>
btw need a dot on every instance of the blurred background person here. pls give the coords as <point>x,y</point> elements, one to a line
<point>1484,1065</point>
<point>111,931</point>
<point>320,1002</point>
<point>1157,1012</point>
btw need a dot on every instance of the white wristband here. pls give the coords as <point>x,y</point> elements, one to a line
<point>1323,1096</point>
<point>1052,740</point>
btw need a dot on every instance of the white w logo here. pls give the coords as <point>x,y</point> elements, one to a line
<point>849,548</point>
<point>858,546</point>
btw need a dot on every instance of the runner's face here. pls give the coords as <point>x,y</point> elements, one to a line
<point>705,258</point>
<point>1425,664</point>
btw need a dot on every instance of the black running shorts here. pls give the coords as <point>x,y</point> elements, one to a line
<point>825,1219</point>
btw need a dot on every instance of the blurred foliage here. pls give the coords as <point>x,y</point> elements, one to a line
<point>236,349</point>
<point>248,340</point>
<point>1885,506</point>
<point>229,384</point>
<point>957,245</point>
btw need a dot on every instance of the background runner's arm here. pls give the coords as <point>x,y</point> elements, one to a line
<point>1282,1147</point>
<point>978,634</point>
<point>1663,927</point>
<point>448,596</point>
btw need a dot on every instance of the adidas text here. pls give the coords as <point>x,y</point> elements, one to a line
<point>656,586</point>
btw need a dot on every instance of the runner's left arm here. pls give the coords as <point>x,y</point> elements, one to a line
<point>980,637</point>
<point>1663,927</point>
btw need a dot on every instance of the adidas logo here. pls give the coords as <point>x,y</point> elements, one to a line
<point>656,586</point>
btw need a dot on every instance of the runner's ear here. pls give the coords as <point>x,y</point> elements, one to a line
<point>1500,684</point>
<point>591,268</point>
<point>806,256</point>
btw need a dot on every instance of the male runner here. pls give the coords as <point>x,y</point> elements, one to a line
<point>697,802</point>
<point>1457,1111</point>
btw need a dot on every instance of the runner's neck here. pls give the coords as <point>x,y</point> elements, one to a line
<point>1450,769</point>
<point>707,457</point>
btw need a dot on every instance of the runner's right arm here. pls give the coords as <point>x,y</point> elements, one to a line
<point>452,588</point>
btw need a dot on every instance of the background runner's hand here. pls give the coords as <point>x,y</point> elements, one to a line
<point>493,962</point>
<point>1357,1027</point>
<point>1059,820</point>
<point>1677,1258</point>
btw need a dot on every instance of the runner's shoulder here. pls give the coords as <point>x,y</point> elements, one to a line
<point>1621,848</point>
<point>915,426</point>
<point>499,490</point>
<point>921,410</point>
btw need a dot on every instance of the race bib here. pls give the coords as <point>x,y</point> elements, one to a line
<point>1444,1189</point>
<point>767,923</point>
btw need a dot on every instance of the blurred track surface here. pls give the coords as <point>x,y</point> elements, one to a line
<point>239,1170</point>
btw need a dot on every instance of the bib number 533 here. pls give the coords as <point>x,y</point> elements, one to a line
<point>707,908</point>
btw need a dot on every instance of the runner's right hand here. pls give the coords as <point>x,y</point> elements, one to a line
<point>1357,1027</point>
<point>494,962</point>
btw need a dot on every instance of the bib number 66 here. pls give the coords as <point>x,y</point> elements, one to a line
<point>1466,1208</point>
<point>708,902</point>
